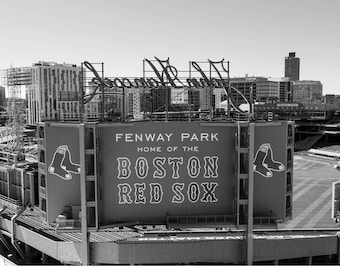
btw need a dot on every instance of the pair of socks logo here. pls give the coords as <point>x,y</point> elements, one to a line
<point>264,164</point>
<point>62,165</point>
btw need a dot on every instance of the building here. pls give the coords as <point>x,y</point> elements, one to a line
<point>18,179</point>
<point>285,89</point>
<point>292,67</point>
<point>333,99</point>
<point>330,99</point>
<point>263,89</point>
<point>247,86</point>
<point>294,111</point>
<point>2,96</point>
<point>3,112</point>
<point>54,92</point>
<point>267,90</point>
<point>307,91</point>
<point>141,181</point>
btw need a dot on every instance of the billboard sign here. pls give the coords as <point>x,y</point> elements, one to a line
<point>62,168</point>
<point>264,163</point>
<point>155,170</point>
<point>270,169</point>
<point>166,75</point>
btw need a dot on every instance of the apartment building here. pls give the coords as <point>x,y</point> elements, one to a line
<point>307,91</point>
<point>54,93</point>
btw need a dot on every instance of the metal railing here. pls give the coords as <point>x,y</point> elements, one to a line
<point>209,220</point>
<point>68,223</point>
<point>9,202</point>
<point>266,221</point>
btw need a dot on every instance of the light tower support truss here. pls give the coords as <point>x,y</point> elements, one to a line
<point>15,79</point>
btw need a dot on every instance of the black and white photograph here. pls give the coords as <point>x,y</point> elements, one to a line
<point>158,133</point>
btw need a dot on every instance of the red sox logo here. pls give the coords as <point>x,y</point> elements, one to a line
<point>62,165</point>
<point>264,164</point>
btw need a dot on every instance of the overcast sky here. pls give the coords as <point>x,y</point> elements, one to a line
<point>254,35</point>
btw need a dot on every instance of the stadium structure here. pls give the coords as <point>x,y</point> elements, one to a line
<point>173,178</point>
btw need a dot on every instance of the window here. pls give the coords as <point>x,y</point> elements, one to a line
<point>243,189</point>
<point>42,156</point>
<point>41,132</point>
<point>42,180</point>
<point>91,216</point>
<point>90,191</point>
<point>3,189</point>
<point>289,178</point>
<point>89,138</point>
<point>288,206</point>
<point>244,166</point>
<point>289,182</point>
<point>43,204</point>
<point>289,155</point>
<point>243,209</point>
<point>89,164</point>
<point>244,137</point>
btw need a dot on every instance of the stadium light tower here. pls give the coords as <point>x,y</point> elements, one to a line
<point>15,79</point>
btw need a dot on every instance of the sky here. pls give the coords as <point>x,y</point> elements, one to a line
<point>253,35</point>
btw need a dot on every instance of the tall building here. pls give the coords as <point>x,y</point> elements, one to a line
<point>307,91</point>
<point>54,92</point>
<point>292,67</point>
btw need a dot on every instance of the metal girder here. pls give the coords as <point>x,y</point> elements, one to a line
<point>2,238</point>
<point>13,240</point>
